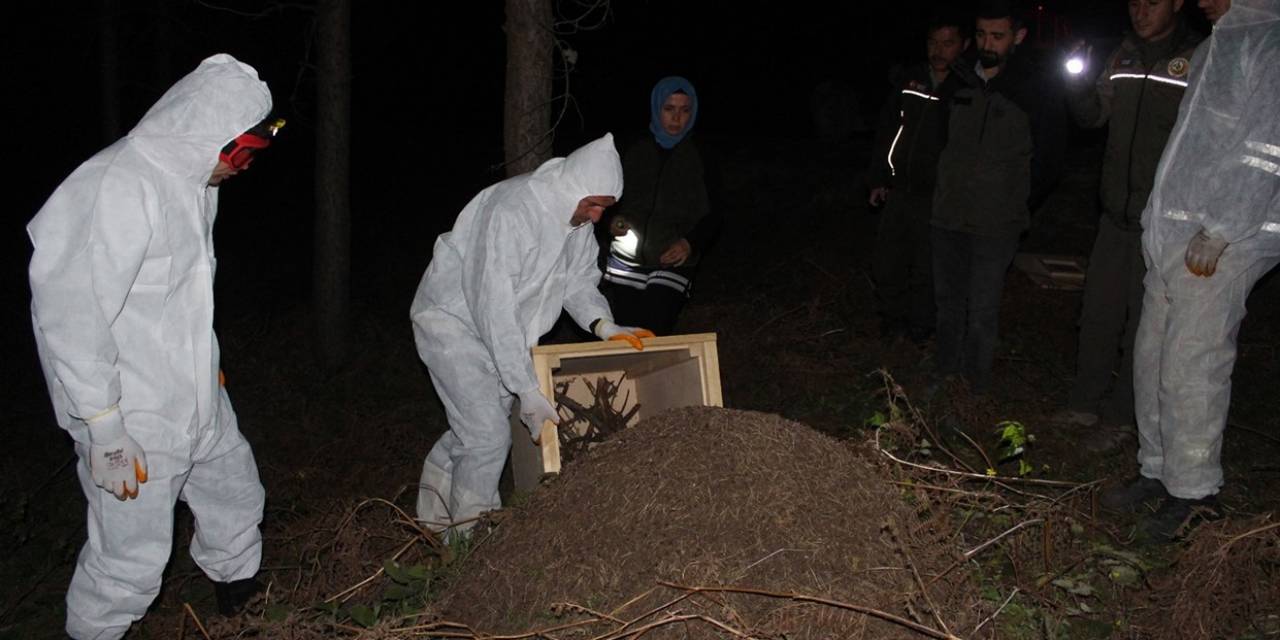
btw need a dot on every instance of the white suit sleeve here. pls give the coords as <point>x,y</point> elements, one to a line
<point>583,299</point>
<point>90,241</point>
<point>1245,186</point>
<point>489,272</point>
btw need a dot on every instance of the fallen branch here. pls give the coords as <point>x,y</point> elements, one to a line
<point>1252,532</point>
<point>996,479</point>
<point>894,392</point>
<point>350,591</point>
<point>924,591</point>
<point>195,618</point>
<point>932,487</point>
<point>868,611</point>
<point>581,609</point>
<point>968,555</point>
<point>978,549</point>
<point>646,614</point>
<point>997,612</point>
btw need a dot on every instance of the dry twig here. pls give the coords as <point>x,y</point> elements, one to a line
<point>195,618</point>
<point>888,617</point>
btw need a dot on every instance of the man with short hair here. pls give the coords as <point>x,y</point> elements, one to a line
<point>1136,93</point>
<point>519,252</point>
<point>1006,137</point>
<point>1213,9</point>
<point>1210,230</point>
<point>903,171</point>
<point>122,305</point>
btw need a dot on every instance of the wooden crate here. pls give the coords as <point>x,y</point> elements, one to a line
<point>671,371</point>
<point>1053,272</point>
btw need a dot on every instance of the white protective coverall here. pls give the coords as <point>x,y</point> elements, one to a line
<point>122,304</point>
<point>496,283</point>
<point>1220,172</point>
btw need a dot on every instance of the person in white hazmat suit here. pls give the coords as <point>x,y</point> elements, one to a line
<point>518,253</point>
<point>122,306</point>
<point>1211,229</point>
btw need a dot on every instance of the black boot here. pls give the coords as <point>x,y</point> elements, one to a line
<point>1176,516</point>
<point>1133,494</point>
<point>232,596</point>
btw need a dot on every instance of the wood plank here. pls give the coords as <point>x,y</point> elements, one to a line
<point>671,366</point>
<point>614,346</point>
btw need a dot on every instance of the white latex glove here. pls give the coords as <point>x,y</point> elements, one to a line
<point>1203,252</point>
<point>535,409</point>
<point>607,330</point>
<point>116,462</point>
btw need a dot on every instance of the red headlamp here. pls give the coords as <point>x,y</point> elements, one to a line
<point>239,152</point>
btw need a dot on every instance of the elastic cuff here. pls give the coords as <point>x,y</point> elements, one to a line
<point>598,327</point>
<point>102,414</point>
<point>106,426</point>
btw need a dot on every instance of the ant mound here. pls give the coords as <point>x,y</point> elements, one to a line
<point>704,523</point>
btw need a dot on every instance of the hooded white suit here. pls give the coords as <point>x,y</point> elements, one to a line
<point>1220,172</point>
<point>496,283</point>
<point>122,305</point>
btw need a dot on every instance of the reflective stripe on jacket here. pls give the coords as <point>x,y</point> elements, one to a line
<point>1137,96</point>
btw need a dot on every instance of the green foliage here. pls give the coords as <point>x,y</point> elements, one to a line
<point>406,590</point>
<point>1013,442</point>
<point>363,615</point>
<point>1075,586</point>
<point>1019,621</point>
<point>276,612</point>
<point>876,420</point>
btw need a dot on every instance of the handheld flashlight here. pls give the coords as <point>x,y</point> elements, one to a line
<point>1075,65</point>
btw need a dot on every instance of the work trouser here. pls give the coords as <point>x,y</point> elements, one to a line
<point>1183,358</point>
<point>119,569</point>
<point>1108,323</point>
<point>902,264</point>
<point>460,474</point>
<point>655,308</point>
<point>968,281</point>
<point>646,297</point>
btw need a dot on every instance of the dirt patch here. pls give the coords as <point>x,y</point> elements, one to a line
<point>707,497</point>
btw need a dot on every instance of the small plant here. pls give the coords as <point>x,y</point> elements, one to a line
<point>1013,442</point>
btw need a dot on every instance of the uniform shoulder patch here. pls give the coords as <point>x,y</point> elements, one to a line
<point>1178,67</point>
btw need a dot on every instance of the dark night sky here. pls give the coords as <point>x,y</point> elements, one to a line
<point>427,105</point>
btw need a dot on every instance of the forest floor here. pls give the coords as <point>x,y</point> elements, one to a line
<point>788,291</point>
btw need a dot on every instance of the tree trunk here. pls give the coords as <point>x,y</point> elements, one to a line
<point>109,69</point>
<point>527,110</point>
<point>164,50</point>
<point>331,270</point>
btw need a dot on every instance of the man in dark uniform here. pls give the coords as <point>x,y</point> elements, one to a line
<point>1005,141</point>
<point>904,168</point>
<point>1136,93</point>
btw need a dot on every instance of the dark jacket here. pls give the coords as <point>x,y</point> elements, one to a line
<point>1005,144</point>
<point>1138,93</point>
<point>667,195</point>
<point>912,132</point>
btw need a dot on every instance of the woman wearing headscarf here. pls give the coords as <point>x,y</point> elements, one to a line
<point>667,220</point>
